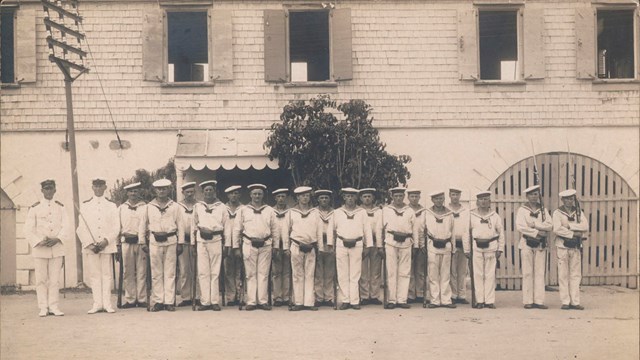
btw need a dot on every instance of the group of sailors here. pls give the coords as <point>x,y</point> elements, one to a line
<point>207,254</point>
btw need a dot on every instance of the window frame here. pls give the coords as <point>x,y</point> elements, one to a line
<point>518,8</point>
<point>14,83</point>
<point>331,82</point>
<point>599,6</point>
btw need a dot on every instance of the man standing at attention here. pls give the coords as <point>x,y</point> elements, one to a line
<point>325,259</point>
<point>459,262</point>
<point>371,277</point>
<point>232,263</point>
<point>281,264</point>
<point>185,260</point>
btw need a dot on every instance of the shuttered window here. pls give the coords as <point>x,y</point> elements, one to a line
<point>7,45</point>
<point>306,46</point>
<point>17,45</point>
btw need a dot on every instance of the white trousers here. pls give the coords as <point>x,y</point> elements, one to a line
<point>325,272</point>
<point>281,275</point>
<point>398,273</point>
<point>134,262</point>
<point>303,266</point>
<point>256,268</point>
<point>459,266</point>
<point>48,282</point>
<point>100,268</point>
<point>163,274</point>
<point>209,264</point>
<point>439,278</point>
<point>232,281</point>
<point>416,281</point>
<point>185,274</point>
<point>484,276</point>
<point>371,277</point>
<point>349,263</point>
<point>533,264</point>
<point>569,275</point>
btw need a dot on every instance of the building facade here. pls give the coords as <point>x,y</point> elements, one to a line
<point>469,89</point>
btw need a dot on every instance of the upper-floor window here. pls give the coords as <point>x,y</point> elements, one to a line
<point>615,44</point>
<point>187,46</point>
<point>309,45</point>
<point>7,71</point>
<point>499,45</point>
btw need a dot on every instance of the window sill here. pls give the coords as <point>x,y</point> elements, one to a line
<point>311,84</point>
<point>187,84</point>
<point>615,84</point>
<point>616,81</point>
<point>10,85</point>
<point>500,82</point>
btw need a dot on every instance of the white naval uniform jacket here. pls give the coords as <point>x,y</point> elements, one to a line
<point>166,219</point>
<point>403,220</point>
<point>100,222</point>
<point>485,227</point>
<point>529,222</point>
<point>439,226</point>
<point>302,226</point>
<point>461,225</point>
<point>374,222</point>
<point>327,228</point>
<point>232,215</point>
<point>187,219</point>
<point>212,217</point>
<point>47,218</point>
<point>351,225</point>
<point>256,223</point>
<point>130,216</point>
<point>281,220</point>
<point>565,222</point>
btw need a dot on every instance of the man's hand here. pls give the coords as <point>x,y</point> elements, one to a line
<point>543,233</point>
<point>145,248</point>
<point>467,254</point>
<point>287,252</point>
<point>52,241</point>
<point>237,253</point>
<point>275,253</point>
<point>179,249</point>
<point>95,247</point>
<point>103,244</point>
<point>577,233</point>
<point>380,253</point>
<point>330,248</point>
<point>498,254</point>
<point>44,242</point>
<point>423,249</point>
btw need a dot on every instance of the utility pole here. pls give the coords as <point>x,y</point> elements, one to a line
<point>61,20</point>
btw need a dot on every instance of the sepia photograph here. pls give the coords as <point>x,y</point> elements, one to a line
<point>309,179</point>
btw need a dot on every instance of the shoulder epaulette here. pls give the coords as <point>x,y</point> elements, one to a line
<point>89,199</point>
<point>36,204</point>
<point>59,203</point>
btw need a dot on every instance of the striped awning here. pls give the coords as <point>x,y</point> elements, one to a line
<point>225,149</point>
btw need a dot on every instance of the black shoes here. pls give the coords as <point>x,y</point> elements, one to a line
<point>157,307</point>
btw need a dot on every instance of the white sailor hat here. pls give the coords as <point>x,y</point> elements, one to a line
<point>483,194</point>
<point>397,189</point>
<point>567,193</point>
<point>162,183</point>
<point>413,191</point>
<point>232,188</point>
<point>47,182</point>
<point>531,189</point>
<point>323,192</point>
<point>302,190</point>
<point>204,184</point>
<point>188,185</point>
<point>436,193</point>
<point>98,180</point>
<point>367,191</point>
<point>257,186</point>
<point>349,190</point>
<point>280,191</point>
<point>455,189</point>
<point>133,186</point>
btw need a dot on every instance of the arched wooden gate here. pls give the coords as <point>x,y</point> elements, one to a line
<point>611,253</point>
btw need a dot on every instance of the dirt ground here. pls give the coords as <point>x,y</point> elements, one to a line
<point>608,328</point>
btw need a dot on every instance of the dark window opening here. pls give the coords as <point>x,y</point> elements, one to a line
<point>188,50</point>
<point>7,71</point>
<point>498,45</point>
<point>615,44</point>
<point>309,45</point>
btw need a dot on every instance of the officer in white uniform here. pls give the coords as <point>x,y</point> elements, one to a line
<point>163,221</point>
<point>571,226</point>
<point>400,236</point>
<point>300,236</point>
<point>47,228</point>
<point>459,262</point>
<point>130,242</point>
<point>281,261</point>
<point>534,225</point>
<point>256,229</point>
<point>232,263</point>
<point>352,236</point>
<point>210,218</point>
<point>185,260</point>
<point>98,231</point>
<point>325,258</point>
<point>487,239</point>
<point>371,277</point>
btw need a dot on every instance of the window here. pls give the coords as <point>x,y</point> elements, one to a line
<point>309,56</point>
<point>188,58</point>
<point>499,45</point>
<point>7,71</point>
<point>615,41</point>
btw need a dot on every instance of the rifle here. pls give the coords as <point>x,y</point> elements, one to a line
<point>113,269</point>
<point>573,182</point>
<point>291,301</point>
<point>269,284</point>
<point>175,288</point>
<point>148,278</point>
<point>64,276</point>
<point>221,276</point>
<point>385,284</point>
<point>243,282</point>
<point>536,180</point>
<point>426,275</point>
<point>120,281</point>
<point>473,283</point>
<point>335,285</point>
<point>194,274</point>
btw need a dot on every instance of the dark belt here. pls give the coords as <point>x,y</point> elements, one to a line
<point>163,238</point>
<point>256,242</point>
<point>349,243</point>
<point>131,239</point>
<point>534,242</point>
<point>484,243</point>
<point>439,243</point>
<point>571,243</point>
<point>210,235</point>
<point>459,243</point>
<point>305,247</point>
<point>400,237</point>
